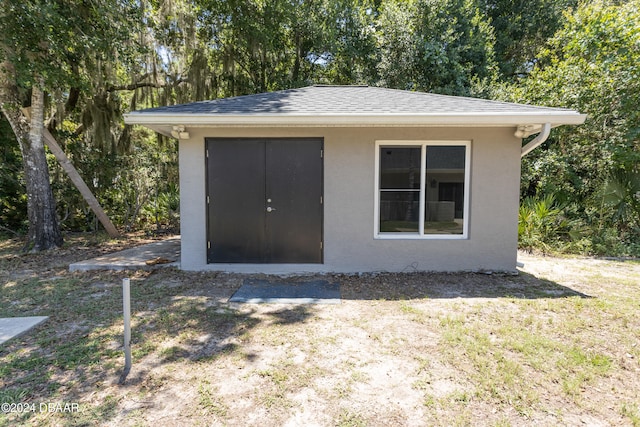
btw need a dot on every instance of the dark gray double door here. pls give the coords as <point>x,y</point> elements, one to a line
<point>264,200</point>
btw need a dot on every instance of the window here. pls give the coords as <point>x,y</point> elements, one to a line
<point>422,189</point>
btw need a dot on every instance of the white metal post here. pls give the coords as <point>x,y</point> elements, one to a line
<point>126,305</point>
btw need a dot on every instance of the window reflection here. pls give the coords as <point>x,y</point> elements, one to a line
<point>444,195</point>
<point>400,188</point>
<point>400,172</point>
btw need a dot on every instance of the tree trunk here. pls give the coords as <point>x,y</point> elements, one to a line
<point>44,229</point>
<point>295,75</point>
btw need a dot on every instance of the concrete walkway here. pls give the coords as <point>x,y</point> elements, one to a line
<point>11,327</point>
<point>165,253</point>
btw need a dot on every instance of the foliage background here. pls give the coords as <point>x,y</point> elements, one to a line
<point>580,190</point>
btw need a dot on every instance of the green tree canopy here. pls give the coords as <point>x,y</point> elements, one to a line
<point>592,65</point>
<point>441,46</point>
<point>522,28</point>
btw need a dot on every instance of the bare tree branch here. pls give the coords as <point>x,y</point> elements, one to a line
<point>134,86</point>
<point>15,233</point>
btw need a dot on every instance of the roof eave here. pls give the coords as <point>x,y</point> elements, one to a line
<point>463,119</point>
<point>526,123</point>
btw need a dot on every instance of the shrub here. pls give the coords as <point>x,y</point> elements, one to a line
<point>542,225</point>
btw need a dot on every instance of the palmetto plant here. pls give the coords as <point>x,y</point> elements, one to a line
<point>621,199</point>
<point>540,223</point>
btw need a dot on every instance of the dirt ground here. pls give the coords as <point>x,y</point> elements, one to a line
<point>558,344</point>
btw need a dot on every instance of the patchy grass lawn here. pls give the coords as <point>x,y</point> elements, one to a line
<point>557,345</point>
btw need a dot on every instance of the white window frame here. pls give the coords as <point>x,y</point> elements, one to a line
<point>423,164</point>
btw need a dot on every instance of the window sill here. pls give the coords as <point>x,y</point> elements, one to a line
<point>416,236</point>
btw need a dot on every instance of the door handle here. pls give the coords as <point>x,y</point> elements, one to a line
<point>270,209</point>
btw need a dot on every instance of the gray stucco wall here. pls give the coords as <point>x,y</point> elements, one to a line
<point>349,243</point>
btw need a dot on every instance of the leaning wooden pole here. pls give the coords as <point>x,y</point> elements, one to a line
<point>76,179</point>
<point>79,183</point>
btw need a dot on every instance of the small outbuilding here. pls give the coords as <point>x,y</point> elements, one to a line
<point>350,179</point>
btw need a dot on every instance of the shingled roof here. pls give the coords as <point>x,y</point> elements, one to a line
<point>352,106</point>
